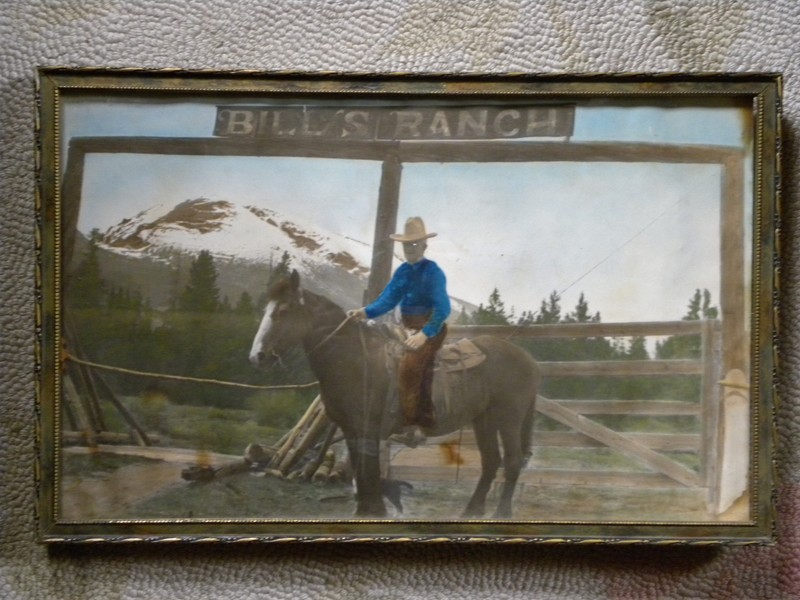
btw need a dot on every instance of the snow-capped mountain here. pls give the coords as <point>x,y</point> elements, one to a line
<point>245,241</point>
<point>230,231</point>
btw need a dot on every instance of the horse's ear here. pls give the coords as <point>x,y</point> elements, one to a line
<point>294,280</point>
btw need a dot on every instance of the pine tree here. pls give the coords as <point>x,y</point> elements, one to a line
<point>281,270</point>
<point>201,293</point>
<point>709,312</point>
<point>638,349</point>
<point>550,310</point>
<point>493,313</point>
<point>581,313</point>
<point>688,346</point>
<point>245,306</point>
<point>527,317</point>
<point>87,288</point>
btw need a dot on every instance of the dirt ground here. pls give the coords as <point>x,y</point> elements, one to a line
<point>151,487</point>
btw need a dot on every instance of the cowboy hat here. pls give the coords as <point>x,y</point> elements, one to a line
<point>414,231</point>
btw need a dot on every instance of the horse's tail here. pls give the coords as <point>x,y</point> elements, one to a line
<point>527,430</point>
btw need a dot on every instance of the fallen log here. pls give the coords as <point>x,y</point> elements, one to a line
<point>205,473</point>
<point>256,454</point>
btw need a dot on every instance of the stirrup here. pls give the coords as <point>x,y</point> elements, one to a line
<point>412,437</point>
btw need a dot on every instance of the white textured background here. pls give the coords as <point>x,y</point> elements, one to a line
<point>388,35</point>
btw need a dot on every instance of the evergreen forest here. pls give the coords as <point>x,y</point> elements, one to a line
<point>204,334</point>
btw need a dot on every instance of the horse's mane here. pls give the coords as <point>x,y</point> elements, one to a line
<point>283,288</point>
<point>280,289</point>
<point>321,303</point>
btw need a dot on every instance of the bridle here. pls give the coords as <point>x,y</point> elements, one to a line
<point>326,339</point>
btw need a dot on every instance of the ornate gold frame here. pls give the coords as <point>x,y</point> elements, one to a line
<point>58,199</point>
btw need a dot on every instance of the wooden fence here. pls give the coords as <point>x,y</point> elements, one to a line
<point>650,450</point>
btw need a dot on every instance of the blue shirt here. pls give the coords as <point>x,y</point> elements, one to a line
<point>419,289</point>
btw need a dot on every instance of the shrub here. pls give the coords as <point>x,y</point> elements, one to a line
<point>280,409</point>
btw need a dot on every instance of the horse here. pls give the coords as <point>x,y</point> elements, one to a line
<point>348,359</point>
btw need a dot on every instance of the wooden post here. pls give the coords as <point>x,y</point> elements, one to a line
<point>73,398</point>
<point>71,202</point>
<point>85,377</point>
<point>138,432</point>
<point>86,397</point>
<point>385,224</point>
<point>733,298</point>
<point>710,403</point>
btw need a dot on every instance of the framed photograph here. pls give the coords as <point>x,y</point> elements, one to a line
<point>384,307</point>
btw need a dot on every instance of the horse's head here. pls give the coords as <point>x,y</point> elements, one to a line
<point>284,324</point>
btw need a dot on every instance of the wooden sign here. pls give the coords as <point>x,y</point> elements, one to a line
<point>395,123</point>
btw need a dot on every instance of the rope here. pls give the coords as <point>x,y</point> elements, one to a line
<point>187,379</point>
<point>330,335</point>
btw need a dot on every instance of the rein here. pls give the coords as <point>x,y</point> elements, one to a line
<point>327,338</point>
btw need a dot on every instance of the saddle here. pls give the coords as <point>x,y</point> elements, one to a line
<point>460,355</point>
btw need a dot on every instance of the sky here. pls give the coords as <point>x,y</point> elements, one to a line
<point>636,238</point>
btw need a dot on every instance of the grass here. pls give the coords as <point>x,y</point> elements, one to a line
<point>99,463</point>
<point>252,496</point>
<point>229,430</point>
<point>225,431</point>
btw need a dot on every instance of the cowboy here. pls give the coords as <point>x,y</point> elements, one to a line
<point>419,286</point>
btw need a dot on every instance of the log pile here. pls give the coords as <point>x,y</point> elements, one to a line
<point>311,451</point>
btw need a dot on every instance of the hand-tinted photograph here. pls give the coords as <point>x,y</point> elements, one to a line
<point>395,308</point>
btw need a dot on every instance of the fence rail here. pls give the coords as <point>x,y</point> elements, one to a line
<point>582,330</point>
<point>620,368</point>
<point>650,450</point>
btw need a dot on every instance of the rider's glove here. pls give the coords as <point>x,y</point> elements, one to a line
<point>357,313</point>
<point>416,341</point>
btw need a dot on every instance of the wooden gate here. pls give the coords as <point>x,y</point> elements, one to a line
<point>650,450</point>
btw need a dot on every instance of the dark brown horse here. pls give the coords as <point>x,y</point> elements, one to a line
<point>349,360</point>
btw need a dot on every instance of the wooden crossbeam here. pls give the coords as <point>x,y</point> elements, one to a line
<point>620,368</point>
<point>638,408</point>
<point>618,441</point>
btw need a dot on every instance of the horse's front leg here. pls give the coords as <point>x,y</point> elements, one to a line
<point>364,454</point>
